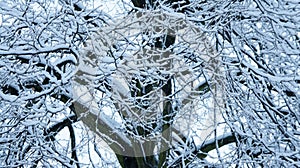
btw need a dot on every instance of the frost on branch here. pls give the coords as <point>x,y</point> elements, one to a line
<point>263,81</point>
<point>37,56</point>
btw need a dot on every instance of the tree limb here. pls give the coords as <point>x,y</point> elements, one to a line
<point>201,151</point>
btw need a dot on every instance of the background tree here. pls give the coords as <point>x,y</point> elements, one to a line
<point>74,75</point>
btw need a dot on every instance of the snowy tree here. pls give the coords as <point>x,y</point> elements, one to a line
<point>149,83</point>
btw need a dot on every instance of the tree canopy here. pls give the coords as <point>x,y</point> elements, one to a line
<point>149,83</point>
